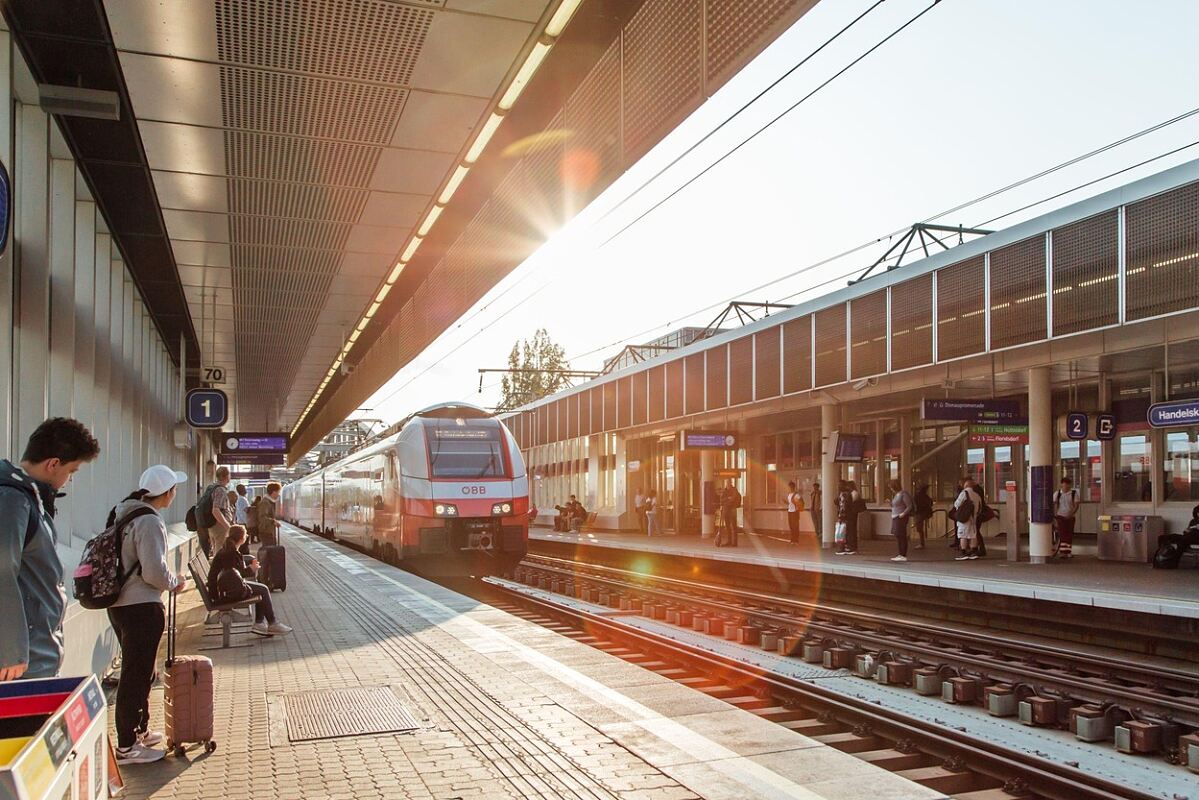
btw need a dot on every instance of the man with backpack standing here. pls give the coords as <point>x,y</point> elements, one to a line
<point>31,575</point>
<point>966,508</point>
<point>213,514</point>
<point>1065,508</point>
<point>730,501</point>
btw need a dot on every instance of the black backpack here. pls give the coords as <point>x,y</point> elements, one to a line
<point>101,573</point>
<point>190,520</point>
<point>965,511</point>
<point>1169,553</point>
<point>205,516</point>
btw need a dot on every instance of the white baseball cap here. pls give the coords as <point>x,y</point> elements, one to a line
<point>159,479</point>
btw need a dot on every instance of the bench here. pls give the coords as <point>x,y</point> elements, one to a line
<point>198,566</point>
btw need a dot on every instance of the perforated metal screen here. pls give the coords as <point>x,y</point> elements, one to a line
<point>868,333</point>
<point>663,73</point>
<point>657,394</point>
<point>830,345</point>
<point>766,363</point>
<point>733,26</point>
<point>1086,263</point>
<point>717,376</point>
<point>640,407</point>
<point>797,355</point>
<point>624,404</point>
<point>593,119</point>
<point>674,389</point>
<point>741,370</point>
<point>1163,253</point>
<point>961,324</point>
<point>695,383</point>
<point>1019,312</point>
<point>585,413</point>
<point>610,416</point>
<point>595,399</point>
<point>572,416</point>
<point>912,323</point>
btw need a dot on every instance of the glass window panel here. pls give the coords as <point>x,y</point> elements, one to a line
<point>1134,472</point>
<point>1181,465</point>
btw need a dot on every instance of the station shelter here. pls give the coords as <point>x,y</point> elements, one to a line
<point>1033,352</point>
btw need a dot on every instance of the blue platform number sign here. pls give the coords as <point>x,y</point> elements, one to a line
<point>1105,427</point>
<point>1076,425</point>
<point>207,408</point>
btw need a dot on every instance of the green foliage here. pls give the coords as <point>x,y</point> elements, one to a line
<point>536,365</point>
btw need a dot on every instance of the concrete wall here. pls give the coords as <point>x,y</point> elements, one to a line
<point>76,340</point>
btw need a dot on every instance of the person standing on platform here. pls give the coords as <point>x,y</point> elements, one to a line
<point>31,590</point>
<point>923,513</point>
<point>138,617</point>
<point>241,505</point>
<point>730,502</point>
<point>1065,508</point>
<point>844,509</point>
<point>902,506</point>
<point>817,510</point>
<point>215,502</point>
<point>650,504</point>
<point>966,507</point>
<point>794,507</point>
<point>857,506</point>
<point>268,512</point>
<point>639,510</point>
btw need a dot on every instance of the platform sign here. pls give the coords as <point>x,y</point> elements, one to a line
<point>1105,427</point>
<point>241,442</point>
<point>708,440</point>
<point>983,412</point>
<point>998,434</point>
<point>207,408</point>
<point>1077,425</point>
<point>254,459</point>
<point>1174,413</point>
<point>726,473</point>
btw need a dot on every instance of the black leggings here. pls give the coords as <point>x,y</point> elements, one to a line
<point>264,611</point>
<point>139,629</point>
<point>899,528</point>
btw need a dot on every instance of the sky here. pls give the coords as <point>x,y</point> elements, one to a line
<point>973,96</point>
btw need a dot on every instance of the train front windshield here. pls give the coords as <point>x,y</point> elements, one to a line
<point>465,451</point>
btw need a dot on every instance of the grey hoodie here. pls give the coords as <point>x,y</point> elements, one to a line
<point>144,546</point>
<point>32,598</point>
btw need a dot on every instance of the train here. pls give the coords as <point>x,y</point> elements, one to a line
<point>447,494</point>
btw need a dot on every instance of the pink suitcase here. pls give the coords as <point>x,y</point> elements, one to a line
<point>188,694</point>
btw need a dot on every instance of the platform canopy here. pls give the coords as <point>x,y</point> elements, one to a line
<point>308,192</point>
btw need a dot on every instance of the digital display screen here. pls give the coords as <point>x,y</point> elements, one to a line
<point>709,440</point>
<point>255,443</point>
<point>849,447</point>
<point>465,433</point>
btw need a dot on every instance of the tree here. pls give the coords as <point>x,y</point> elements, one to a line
<point>536,366</point>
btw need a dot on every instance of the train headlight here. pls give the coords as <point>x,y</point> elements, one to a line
<point>501,509</point>
<point>445,510</point>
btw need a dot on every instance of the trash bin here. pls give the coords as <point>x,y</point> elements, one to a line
<point>1129,537</point>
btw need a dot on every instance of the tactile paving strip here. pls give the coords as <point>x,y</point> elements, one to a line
<point>345,712</point>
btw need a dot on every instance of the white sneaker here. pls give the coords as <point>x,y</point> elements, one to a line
<point>260,628</point>
<point>278,629</point>
<point>139,754</point>
<point>962,558</point>
<point>900,558</point>
<point>150,738</point>
<point>851,552</point>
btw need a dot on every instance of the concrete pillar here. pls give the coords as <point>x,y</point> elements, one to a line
<point>707,479</point>
<point>830,475</point>
<point>1040,451</point>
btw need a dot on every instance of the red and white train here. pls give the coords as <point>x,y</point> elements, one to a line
<point>446,495</point>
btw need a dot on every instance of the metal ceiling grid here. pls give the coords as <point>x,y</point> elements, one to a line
<point>1018,293</point>
<point>1163,253</point>
<point>1086,263</point>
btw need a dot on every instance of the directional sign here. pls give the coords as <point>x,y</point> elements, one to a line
<point>241,442</point>
<point>1076,425</point>
<point>1105,427</point>
<point>987,412</point>
<point>1174,413</point>
<point>207,408</point>
<point>709,440</point>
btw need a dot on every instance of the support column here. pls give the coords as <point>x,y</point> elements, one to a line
<point>1040,451</point>
<point>707,493</point>
<point>829,475</point>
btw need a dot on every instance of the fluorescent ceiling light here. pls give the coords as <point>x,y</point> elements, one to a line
<point>362,323</point>
<point>430,218</point>
<point>382,295</point>
<point>410,250</point>
<point>451,187</point>
<point>527,70</point>
<point>562,16</point>
<point>485,133</point>
<point>395,272</point>
<point>354,336</point>
<point>370,312</point>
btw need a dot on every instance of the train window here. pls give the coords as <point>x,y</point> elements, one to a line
<point>467,452</point>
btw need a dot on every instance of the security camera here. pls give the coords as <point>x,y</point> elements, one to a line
<point>864,383</point>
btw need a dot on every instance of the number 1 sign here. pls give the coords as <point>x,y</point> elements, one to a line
<point>207,408</point>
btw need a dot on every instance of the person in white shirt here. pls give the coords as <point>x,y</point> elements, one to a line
<point>242,506</point>
<point>794,506</point>
<point>967,506</point>
<point>1065,507</point>
<point>639,510</point>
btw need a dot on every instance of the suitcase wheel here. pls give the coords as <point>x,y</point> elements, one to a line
<point>209,746</point>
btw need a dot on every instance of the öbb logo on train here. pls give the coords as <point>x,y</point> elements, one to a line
<point>469,490</point>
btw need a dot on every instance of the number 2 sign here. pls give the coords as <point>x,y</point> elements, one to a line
<point>1076,425</point>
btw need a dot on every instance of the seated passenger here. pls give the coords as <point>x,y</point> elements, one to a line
<point>227,584</point>
<point>576,514</point>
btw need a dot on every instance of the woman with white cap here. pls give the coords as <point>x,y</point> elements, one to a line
<point>138,617</point>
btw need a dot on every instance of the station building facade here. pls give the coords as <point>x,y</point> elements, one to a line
<point>1091,309</point>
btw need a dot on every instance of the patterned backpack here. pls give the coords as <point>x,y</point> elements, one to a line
<point>100,575</point>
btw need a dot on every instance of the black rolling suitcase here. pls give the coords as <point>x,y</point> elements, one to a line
<point>272,567</point>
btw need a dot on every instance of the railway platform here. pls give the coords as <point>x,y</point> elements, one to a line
<point>393,686</point>
<point>1083,581</point>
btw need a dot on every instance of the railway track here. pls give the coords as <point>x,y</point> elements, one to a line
<point>1156,689</point>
